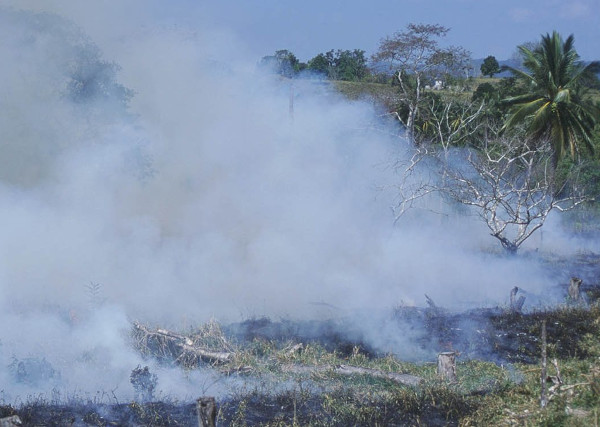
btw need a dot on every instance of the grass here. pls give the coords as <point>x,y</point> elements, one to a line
<point>387,95</point>
<point>486,393</point>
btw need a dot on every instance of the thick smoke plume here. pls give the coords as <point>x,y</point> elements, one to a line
<point>149,177</point>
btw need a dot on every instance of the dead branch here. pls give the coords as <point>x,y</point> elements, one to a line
<point>571,386</point>
<point>430,303</point>
<point>179,347</point>
<point>405,379</point>
<point>557,378</point>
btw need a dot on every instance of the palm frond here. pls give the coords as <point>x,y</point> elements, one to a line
<point>554,108</point>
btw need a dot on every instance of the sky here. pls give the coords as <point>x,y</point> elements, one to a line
<point>309,27</point>
<point>483,27</point>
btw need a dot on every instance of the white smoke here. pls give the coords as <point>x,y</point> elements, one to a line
<point>204,199</point>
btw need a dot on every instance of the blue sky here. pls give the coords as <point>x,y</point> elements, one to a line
<point>309,27</point>
<point>483,27</point>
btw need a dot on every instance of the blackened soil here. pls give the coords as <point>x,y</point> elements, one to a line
<point>80,414</point>
<point>339,335</point>
<point>497,334</point>
<point>289,408</point>
<point>505,336</point>
<point>494,334</point>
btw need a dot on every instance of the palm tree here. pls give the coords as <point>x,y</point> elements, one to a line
<point>554,108</point>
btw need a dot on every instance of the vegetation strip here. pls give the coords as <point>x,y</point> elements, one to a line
<point>406,379</point>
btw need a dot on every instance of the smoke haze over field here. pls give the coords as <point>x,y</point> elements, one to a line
<point>203,199</point>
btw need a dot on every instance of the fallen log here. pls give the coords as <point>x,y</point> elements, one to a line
<point>405,379</point>
<point>185,345</point>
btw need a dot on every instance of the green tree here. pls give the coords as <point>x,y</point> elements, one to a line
<point>350,64</point>
<point>554,107</point>
<point>490,66</point>
<point>282,62</point>
<point>340,64</point>
<point>320,64</point>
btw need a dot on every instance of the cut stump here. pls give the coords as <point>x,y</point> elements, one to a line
<point>575,289</point>
<point>447,366</point>
<point>207,411</point>
<point>516,304</point>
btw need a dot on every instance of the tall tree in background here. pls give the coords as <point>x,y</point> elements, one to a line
<point>416,58</point>
<point>490,66</point>
<point>340,65</point>
<point>282,62</point>
<point>320,64</point>
<point>350,64</point>
<point>553,107</point>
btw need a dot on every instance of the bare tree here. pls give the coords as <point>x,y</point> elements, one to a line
<point>513,187</point>
<point>415,182</point>
<point>448,123</point>
<point>415,56</point>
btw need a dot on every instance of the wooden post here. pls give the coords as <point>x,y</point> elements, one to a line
<point>447,366</point>
<point>543,393</point>
<point>575,289</point>
<point>207,411</point>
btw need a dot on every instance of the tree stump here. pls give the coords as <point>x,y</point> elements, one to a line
<point>575,289</point>
<point>207,411</point>
<point>516,304</point>
<point>447,366</point>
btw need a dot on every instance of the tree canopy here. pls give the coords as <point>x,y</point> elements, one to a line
<point>416,58</point>
<point>282,62</point>
<point>553,105</point>
<point>340,65</point>
<point>490,66</point>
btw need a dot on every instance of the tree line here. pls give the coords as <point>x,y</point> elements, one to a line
<point>351,65</point>
<point>514,149</point>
